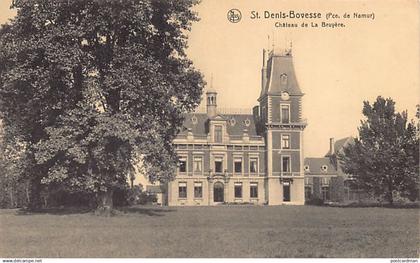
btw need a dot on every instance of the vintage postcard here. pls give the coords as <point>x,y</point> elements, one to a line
<point>209,129</point>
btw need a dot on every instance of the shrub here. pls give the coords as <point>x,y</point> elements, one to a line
<point>315,201</point>
<point>134,195</point>
<point>145,198</point>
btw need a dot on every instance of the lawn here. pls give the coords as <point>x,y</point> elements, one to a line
<point>236,231</point>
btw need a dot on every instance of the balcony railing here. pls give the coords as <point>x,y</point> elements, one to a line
<point>231,137</point>
<point>200,137</point>
<point>286,174</point>
<point>227,111</point>
<point>222,174</point>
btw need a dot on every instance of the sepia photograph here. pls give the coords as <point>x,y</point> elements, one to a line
<point>207,129</point>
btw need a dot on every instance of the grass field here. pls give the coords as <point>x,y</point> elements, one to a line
<point>240,231</point>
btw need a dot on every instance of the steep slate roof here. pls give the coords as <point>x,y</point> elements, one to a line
<point>338,147</point>
<point>240,124</point>
<point>315,165</point>
<point>339,144</point>
<point>277,65</point>
<point>201,126</point>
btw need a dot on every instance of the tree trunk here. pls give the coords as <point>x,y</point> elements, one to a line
<point>35,193</point>
<point>390,195</point>
<point>28,197</point>
<point>387,189</point>
<point>105,203</point>
<point>11,198</point>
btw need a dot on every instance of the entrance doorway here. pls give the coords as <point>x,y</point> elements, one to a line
<point>218,192</point>
<point>286,192</point>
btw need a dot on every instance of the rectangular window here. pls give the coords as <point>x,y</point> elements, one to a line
<point>183,164</point>
<point>326,193</point>
<point>308,181</point>
<point>285,141</point>
<point>308,192</point>
<point>263,114</point>
<point>237,165</point>
<point>218,133</point>
<point>218,165</point>
<point>325,180</point>
<point>198,165</point>
<point>286,164</point>
<point>198,190</point>
<point>253,190</point>
<point>238,190</point>
<point>285,113</point>
<point>253,165</point>
<point>286,192</point>
<point>182,190</point>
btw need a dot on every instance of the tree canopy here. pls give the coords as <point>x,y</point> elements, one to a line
<point>384,160</point>
<point>96,86</point>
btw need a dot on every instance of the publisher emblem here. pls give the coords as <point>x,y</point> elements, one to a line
<point>234,15</point>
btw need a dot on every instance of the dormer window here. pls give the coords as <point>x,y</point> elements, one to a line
<point>218,134</point>
<point>283,79</point>
<point>324,168</point>
<point>194,119</point>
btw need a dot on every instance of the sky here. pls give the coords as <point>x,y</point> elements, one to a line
<point>337,68</point>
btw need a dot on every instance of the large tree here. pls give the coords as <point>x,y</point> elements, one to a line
<point>384,160</point>
<point>96,86</point>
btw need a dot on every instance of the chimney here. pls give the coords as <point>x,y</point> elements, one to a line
<point>245,136</point>
<point>332,150</point>
<point>256,112</point>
